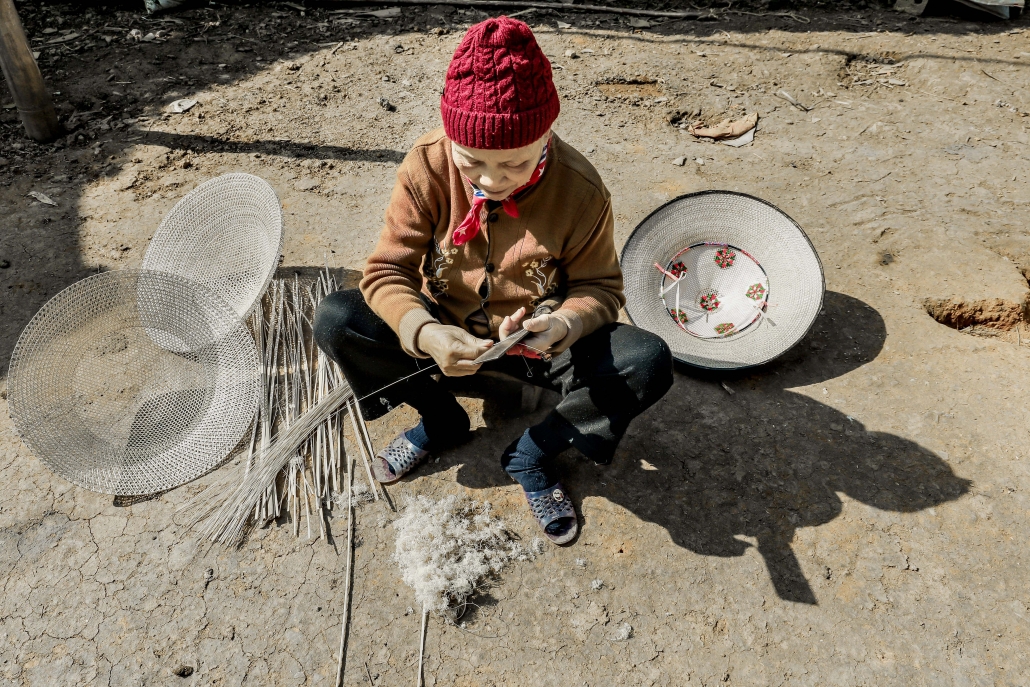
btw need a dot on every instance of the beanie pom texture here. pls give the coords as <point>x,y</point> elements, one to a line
<point>499,92</point>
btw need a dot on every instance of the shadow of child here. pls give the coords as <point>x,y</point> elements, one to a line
<point>760,463</point>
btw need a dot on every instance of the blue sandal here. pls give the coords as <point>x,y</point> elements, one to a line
<point>553,505</point>
<point>397,460</point>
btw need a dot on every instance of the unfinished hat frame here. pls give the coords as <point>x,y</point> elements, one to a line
<point>226,235</point>
<point>137,381</point>
<point>133,382</point>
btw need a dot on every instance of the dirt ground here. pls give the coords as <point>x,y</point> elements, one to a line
<point>850,515</point>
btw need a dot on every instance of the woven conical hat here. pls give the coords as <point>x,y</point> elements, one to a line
<point>726,279</point>
<point>226,234</point>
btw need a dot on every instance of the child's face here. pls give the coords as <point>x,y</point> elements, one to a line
<point>498,172</point>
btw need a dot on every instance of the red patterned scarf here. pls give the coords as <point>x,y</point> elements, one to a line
<point>469,226</point>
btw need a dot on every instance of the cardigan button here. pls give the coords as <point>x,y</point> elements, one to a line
<point>489,267</point>
<point>492,217</point>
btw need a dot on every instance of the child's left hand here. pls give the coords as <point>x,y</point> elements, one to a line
<point>547,330</point>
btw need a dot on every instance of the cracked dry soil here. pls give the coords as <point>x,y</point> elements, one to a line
<point>851,515</point>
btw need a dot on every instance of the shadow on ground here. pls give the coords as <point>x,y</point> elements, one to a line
<point>762,463</point>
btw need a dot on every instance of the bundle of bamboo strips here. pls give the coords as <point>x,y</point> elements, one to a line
<point>294,459</point>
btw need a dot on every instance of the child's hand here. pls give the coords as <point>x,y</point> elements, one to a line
<point>452,348</point>
<point>547,330</point>
<point>510,325</point>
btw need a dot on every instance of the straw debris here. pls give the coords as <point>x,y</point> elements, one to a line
<point>292,464</point>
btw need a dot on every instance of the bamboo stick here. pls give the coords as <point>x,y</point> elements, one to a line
<point>24,79</point>
<point>305,489</point>
<point>422,645</point>
<point>359,440</point>
<point>228,523</point>
<point>347,579</point>
<point>364,430</point>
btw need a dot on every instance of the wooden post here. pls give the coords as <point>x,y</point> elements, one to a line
<point>24,78</point>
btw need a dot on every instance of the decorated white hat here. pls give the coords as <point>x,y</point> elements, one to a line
<point>136,381</point>
<point>726,279</point>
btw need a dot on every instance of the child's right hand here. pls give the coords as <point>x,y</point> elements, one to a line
<point>452,348</point>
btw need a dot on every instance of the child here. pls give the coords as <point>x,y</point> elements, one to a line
<point>495,222</point>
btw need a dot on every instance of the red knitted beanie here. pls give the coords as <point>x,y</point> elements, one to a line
<point>499,93</point>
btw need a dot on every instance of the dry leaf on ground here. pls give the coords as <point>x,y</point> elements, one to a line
<point>182,105</point>
<point>42,198</point>
<point>725,128</point>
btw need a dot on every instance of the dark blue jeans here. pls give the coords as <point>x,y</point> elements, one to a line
<point>605,379</point>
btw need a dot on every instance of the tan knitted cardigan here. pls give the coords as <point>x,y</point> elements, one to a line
<point>559,251</point>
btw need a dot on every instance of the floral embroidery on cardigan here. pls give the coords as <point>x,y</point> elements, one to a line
<point>545,281</point>
<point>436,263</point>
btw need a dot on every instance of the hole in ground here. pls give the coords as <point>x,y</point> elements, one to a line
<point>993,314</point>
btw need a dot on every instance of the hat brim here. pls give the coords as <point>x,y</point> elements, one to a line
<point>777,243</point>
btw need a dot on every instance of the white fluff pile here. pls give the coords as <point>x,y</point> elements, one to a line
<point>446,548</point>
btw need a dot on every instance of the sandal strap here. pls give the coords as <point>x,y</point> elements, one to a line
<point>550,504</point>
<point>402,455</point>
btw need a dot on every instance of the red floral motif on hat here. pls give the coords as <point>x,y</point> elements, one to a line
<point>724,328</point>
<point>755,292</point>
<point>679,316</point>
<point>710,301</point>
<point>724,257</point>
<point>677,269</point>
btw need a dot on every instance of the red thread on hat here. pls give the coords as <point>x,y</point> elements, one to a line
<point>499,93</point>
